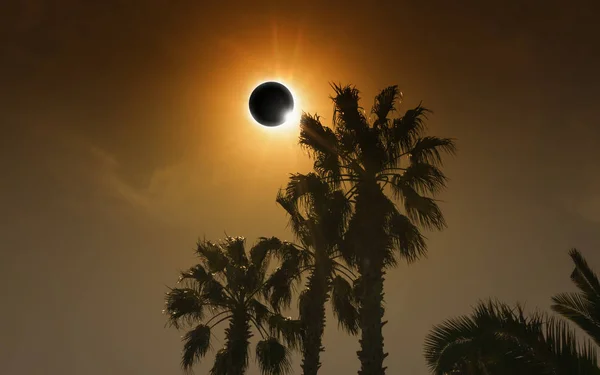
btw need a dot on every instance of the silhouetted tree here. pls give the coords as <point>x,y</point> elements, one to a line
<point>318,230</point>
<point>497,339</point>
<point>226,287</point>
<point>583,307</point>
<point>370,159</point>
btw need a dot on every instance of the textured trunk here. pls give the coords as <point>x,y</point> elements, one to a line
<point>371,311</point>
<point>238,341</point>
<point>372,247</point>
<point>313,320</point>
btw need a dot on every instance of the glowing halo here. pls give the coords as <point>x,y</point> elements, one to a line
<point>292,118</point>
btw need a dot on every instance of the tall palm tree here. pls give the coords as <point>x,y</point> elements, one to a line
<point>318,229</point>
<point>497,339</point>
<point>583,307</point>
<point>369,160</point>
<point>226,287</point>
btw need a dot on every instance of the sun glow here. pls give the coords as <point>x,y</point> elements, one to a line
<point>292,118</point>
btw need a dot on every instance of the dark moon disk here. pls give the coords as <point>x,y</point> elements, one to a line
<point>270,102</point>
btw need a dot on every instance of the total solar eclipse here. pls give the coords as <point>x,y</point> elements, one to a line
<point>270,103</point>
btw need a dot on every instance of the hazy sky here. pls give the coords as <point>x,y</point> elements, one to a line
<point>125,137</point>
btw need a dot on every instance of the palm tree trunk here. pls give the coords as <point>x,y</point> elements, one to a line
<point>371,312</point>
<point>372,249</point>
<point>238,336</point>
<point>313,320</point>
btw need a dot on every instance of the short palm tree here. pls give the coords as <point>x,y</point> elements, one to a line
<point>583,307</point>
<point>226,287</point>
<point>368,160</point>
<point>318,230</point>
<point>497,339</point>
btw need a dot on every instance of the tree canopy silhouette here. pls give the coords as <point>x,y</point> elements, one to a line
<point>319,230</point>
<point>226,286</point>
<point>499,339</point>
<point>377,163</point>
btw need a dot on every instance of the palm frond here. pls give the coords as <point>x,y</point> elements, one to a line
<point>578,309</point>
<point>235,250</point>
<point>429,150</point>
<point>343,303</point>
<point>273,358</point>
<point>568,356</point>
<point>279,286</point>
<point>450,342</point>
<point>321,144</point>
<point>496,334</point>
<point>197,275</point>
<point>423,178</point>
<point>306,188</point>
<point>260,312</point>
<point>583,276</point>
<point>184,306</point>
<point>405,131</point>
<point>196,345</point>
<point>347,111</point>
<point>406,237</point>
<point>287,329</point>
<point>297,222</point>
<point>259,254</point>
<point>215,293</point>
<point>583,307</point>
<point>212,254</point>
<point>420,209</point>
<point>222,364</point>
<point>385,103</point>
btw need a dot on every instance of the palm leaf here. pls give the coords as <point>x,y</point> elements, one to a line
<point>385,103</point>
<point>496,333</point>
<point>235,250</point>
<point>212,254</point>
<point>406,237</point>
<point>347,111</point>
<point>405,131</point>
<point>273,357</point>
<point>196,345</point>
<point>287,329</point>
<point>260,251</point>
<point>279,287</point>
<point>343,303</point>
<point>197,274</point>
<point>582,308</point>
<point>429,150</point>
<point>184,306</point>
<point>420,209</point>
<point>260,312</point>
<point>222,363</point>
<point>423,178</point>
<point>583,276</point>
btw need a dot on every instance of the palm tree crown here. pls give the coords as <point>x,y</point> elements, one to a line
<point>226,287</point>
<point>368,159</point>
<point>498,339</point>
<point>583,307</point>
<point>319,229</point>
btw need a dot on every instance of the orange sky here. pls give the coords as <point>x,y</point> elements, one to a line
<point>126,137</point>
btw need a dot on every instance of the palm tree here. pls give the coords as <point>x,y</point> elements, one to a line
<point>318,230</point>
<point>583,307</point>
<point>498,339</point>
<point>364,158</point>
<point>225,287</point>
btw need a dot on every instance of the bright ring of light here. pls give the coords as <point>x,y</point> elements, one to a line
<point>292,118</point>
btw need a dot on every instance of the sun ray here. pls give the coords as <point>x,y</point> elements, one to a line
<point>281,65</point>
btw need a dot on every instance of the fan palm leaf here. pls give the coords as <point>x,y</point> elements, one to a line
<point>227,286</point>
